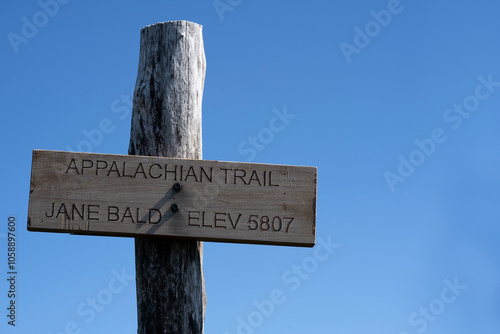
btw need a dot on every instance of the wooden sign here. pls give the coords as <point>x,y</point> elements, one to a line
<point>137,196</point>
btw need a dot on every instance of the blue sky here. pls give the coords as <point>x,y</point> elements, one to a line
<point>396,103</point>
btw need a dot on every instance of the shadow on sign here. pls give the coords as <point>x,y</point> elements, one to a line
<point>157,207</point>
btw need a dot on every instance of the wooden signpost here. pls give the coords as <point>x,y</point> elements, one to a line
<point>169,205</point>
<point>120,195</point>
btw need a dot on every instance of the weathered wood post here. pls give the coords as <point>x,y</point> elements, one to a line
<point>166,121</point>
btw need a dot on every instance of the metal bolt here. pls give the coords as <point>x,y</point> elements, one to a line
<point>177,186</point>
<point>174,207</point>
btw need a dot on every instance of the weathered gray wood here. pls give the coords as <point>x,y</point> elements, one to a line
<point>166,121</point>
<point>120,195</point>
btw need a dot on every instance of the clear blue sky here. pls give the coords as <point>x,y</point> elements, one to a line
<point>396,103</point>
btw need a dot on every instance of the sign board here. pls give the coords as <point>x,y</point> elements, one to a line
<point>138,196</point>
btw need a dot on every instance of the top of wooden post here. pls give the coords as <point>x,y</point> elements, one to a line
<point>172,22</point>
<point>168,91</point>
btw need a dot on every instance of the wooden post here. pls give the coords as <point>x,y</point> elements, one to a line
<point>166,121</point>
